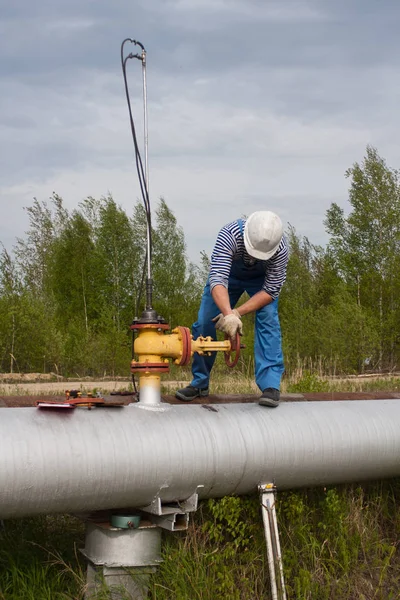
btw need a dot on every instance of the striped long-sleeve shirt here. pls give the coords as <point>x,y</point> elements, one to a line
<point>229,246</point>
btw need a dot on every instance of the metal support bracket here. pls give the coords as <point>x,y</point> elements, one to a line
<point>267,499</point>
<point>173,516</point>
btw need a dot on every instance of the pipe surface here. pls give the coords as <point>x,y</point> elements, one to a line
<point>84,460</point>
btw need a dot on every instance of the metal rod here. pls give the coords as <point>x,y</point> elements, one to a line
<point>267,498</point>
<point>149,281</point>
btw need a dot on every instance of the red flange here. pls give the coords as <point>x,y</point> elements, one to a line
<point>146,367</point>
<point>163,326</point>
<point>186,346</point>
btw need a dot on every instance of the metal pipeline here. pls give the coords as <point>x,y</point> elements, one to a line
<point>84,460</point>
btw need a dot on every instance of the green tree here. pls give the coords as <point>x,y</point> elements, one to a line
<point>10,287</point>
<point>365,246</point>
<point>348,337</point>
<point>73,273</point>
<point>177,283</point>
<point>33,252</point>
<point>297,299</point>
<point>29,340</point>
<point>116,256</point>
<point>117,271</point>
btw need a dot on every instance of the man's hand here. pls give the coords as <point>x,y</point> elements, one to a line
<point>230,324</point>
<point>219,318</point>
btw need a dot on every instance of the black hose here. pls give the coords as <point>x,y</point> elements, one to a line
<point>138,158</point>
<point>142,180</point>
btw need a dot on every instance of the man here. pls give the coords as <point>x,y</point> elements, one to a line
<point>249,255</point>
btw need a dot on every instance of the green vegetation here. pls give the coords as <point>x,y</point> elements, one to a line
<point>39,559</point>
<point>72,285</point>
<point>337,543</point>
<point>68,292</point>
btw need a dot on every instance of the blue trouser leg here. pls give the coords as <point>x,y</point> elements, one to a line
<point>268,356</point>
<point>202,365</point>
<point>269,366</point>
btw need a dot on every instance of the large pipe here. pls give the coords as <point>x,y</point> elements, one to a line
<point>81,460</point>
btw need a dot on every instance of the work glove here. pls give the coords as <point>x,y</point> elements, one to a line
<point>230,324</point>
<point>219,319</point>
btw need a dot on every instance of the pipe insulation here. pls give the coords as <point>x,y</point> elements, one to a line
<point>85,460</point>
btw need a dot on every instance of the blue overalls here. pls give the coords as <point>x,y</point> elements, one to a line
<point>268,355</point>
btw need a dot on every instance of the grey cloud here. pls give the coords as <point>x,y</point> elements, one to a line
<point>67,35</point>
<point>247,99</point>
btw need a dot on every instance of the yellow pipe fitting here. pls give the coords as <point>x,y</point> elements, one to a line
<point>206,345</point>
<point>153,346</point>
<point>154,349</point>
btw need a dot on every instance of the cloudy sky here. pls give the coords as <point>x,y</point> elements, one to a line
<point>253,104</point>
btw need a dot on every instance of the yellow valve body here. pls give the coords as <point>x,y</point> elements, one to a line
<point>153,346</point>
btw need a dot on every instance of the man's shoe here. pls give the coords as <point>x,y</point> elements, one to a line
<point>189,393</point>
<point>269,397</point>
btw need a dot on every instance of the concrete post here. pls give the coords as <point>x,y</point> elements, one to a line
<point>121,559</point>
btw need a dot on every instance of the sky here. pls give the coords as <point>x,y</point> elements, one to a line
<point>252,105</point>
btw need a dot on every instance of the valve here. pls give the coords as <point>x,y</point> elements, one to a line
<point>235,347</point>
<point>154,349</point>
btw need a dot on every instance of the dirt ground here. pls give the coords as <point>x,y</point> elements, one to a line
<point>19,384</point>
<point>16,384</point>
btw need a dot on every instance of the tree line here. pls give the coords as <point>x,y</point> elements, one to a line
<point>71,286</point>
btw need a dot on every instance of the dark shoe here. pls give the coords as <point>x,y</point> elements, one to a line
<point>269,397</point>
<point>189,393</point>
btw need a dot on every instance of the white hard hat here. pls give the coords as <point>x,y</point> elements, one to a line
<point>262,234</point>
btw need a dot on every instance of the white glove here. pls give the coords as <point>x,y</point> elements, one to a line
<point>218,320</point>
<point>230,324</point>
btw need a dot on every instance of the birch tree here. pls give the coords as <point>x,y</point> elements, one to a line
<point>366,246</point>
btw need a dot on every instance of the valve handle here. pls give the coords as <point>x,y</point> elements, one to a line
<point>235,347</point>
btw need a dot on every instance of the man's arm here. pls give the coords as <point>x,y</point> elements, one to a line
<point>228,321</point>
<point>221,263</point>
<point>220,296</point>
<point>254,303</point>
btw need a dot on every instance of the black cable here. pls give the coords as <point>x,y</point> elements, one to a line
<point>133,374</point>
<point>138,158</point>
<point>139,298</point>
<point>141,174</point>
<point>139,164</point>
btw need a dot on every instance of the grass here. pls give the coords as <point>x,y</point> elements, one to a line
<point>338,543</point>
<point>299,380</point>
<point>39,559</point>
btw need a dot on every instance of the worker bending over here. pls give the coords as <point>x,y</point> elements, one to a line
<point>249,256</point>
